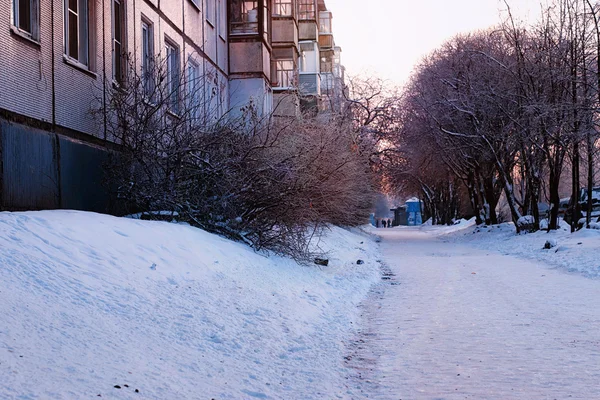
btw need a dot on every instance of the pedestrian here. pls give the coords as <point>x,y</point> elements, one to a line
<point>384,223</point>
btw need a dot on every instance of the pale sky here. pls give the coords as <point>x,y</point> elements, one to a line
<point>388,37</point>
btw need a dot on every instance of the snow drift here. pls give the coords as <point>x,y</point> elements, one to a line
<point>93,305</point>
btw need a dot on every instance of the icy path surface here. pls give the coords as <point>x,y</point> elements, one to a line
<point>458,323</point>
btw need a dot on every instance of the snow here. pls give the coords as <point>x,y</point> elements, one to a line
<point>525,220</point>
<point>89,302</point>
<point>573,252</point>
<point>463,316</point>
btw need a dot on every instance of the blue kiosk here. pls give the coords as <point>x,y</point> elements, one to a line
<point>413,211</point>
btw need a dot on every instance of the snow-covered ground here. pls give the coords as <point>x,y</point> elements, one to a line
<point>95,306</point>
<point>463,315</point>
<point>577,252</point>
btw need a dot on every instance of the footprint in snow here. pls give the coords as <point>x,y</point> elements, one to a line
<point>153,267</point>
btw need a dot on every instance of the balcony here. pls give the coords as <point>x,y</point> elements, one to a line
<point>310,84</point>
<point>243,17</point>
<point>285,32</point>
<point>307,10</point>
<point>326,41</point>
<point>250,18</point>
<point>283,9</point>
<point>284,75</point>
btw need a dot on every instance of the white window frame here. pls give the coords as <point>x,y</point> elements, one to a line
<point>222,18</point>
<point>222,97</point>
<point>325,22</point>
<point>82,21</point>
<point>211,99</point>
<point>34,17</point>
<point>119,57</point>
<point>211,12</point>
<point>147,62</point>
<point>286,71</point>
<point>194,91</point>
<point>283,8</point>
<point>173,75</point>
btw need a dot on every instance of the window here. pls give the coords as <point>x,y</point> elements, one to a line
<point>223,97</point>
<point>244,16</point>
<point>172,76</point>
<point>148,58</point>
<point>211,98</point>
<point>193,88</point>
<point>309,57</point>
<point>76,30</point>
<point>210,11</point>
<point>118,50</point>
<point>26,17</point>
<point>266,20</point>
<point>222,18</point>
<point>283,8</point>
<point>306,9</point>
<point>324,22</point>
<point>286,74</point>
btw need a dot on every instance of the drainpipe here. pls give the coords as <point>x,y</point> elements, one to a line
<point>104,117</point>
<point>53,67</point>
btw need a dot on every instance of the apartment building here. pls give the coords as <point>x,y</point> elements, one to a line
<point>283,57</point>
<point>60,59</point>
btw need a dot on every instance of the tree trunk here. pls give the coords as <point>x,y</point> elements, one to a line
<point>590,178</point>
<point>575,207</point>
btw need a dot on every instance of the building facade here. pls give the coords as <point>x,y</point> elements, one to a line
<point>60,59</point>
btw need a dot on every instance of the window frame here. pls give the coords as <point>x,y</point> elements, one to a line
<point>286,74</point>
<point>173,74</point>
<point>33,31</point>
<point>244,23</point>
<point>82,31</point>
<point>307,8</point>
<point>193,87</point>
<point>283,5</point>
<point>119,59</point>
<point>211,12</point>
<point>325,20</point>
<point>147,54</point>
<point>222,18</point>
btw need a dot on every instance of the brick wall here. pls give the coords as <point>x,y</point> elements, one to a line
<point>26,81</point>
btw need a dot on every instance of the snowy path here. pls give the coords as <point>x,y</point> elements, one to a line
<point>460,323</point>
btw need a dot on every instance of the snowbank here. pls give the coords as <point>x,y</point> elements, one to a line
<point>427,228</point>
<point>573,252</point>
<point>90,302</point>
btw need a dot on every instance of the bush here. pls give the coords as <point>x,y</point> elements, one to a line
<point>273,184</point>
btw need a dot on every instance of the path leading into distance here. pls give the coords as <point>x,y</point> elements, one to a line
<point>458,323</point>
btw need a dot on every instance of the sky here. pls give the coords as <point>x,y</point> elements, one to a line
<point>389,37</point>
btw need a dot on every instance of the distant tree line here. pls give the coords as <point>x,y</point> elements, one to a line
<point>502,113</point>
